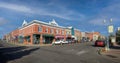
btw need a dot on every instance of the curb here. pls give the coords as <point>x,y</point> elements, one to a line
<point>18,44</point>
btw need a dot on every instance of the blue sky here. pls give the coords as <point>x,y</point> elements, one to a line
<point>85,15</point>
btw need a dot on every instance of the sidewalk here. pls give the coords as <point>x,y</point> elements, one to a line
<point>113,53</point>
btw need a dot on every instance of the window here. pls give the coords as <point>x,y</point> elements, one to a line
<point>46,30</point>
<point>67,32</point>
<point>51,31</point>
<point>62,32</point>
<point>57,31</point>
<point>40,28</point>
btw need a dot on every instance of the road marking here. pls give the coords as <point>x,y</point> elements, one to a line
<point>76,52</point>
<point>81,52</point>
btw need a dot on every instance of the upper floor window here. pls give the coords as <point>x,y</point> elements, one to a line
<point>51,31</point>
<point>40,28</point>
<point>46,30</point>
<point>57,31</point>
<point>67,32</point>
<point>62,32</point>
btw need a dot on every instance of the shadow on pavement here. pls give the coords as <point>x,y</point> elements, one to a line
<point>93,45</point>
<point>12,53</point>
<point>115,47</point>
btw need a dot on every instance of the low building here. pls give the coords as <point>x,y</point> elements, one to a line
<point>90,36</point>
<point>39,32</point>
<point>78,35</point>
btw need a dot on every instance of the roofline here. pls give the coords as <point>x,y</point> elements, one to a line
<point>41,22</point>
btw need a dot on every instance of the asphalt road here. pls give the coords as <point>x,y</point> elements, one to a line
<point>67,53</point>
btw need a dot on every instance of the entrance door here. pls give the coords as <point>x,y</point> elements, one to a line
<point>36,38</point>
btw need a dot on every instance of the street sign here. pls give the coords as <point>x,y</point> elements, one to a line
<point>110,29</point>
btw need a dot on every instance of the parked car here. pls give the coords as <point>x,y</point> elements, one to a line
<point>100,43</point>
<point>64,42</point>
<point>60,42</point>
<point>103,43</point>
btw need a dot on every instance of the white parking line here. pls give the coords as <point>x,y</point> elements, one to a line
<point>81,52</point>
<point>76,52</point>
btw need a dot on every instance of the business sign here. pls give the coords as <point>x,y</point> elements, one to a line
<point>110,29</point>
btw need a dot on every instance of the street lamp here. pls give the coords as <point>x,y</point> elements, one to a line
<point>110,30</point>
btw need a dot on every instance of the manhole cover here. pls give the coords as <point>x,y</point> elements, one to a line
<point>111,56</point>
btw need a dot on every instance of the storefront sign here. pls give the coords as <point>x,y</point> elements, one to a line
<point>110,29</point>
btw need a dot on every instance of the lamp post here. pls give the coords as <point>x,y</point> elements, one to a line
<point>110,30</point>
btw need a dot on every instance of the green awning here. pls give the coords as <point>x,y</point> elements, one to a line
<point>27,36</point>
<point>48,35</point>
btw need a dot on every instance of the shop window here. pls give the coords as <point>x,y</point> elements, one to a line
<point>27,38</point>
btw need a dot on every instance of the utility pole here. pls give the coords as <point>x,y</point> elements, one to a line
<point>110,30</point>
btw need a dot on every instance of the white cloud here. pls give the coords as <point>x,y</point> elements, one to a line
<point>15,7</point>
<point>111,11</point>
<point>44,9</point>
<point>96,22</point>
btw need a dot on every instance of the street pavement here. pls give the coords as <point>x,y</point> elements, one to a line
<point>113,53</point>
<point>67,53</point>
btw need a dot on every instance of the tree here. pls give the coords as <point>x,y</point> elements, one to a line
<point>118,36</point>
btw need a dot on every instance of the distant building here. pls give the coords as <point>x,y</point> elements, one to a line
<point>118,28</point>
<point>39,32</point>
<point>78,35</point>
<point>90,36</point>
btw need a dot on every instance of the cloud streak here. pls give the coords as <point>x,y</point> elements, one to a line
<point>15,7</point>
<point>111,11</point>
<point>60,12</point>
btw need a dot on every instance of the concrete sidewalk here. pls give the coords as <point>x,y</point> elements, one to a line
<point>21,44</point>
<point>113,53</point>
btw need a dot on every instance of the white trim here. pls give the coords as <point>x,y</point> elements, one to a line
<point>37,22</point>
<point>29,26</point>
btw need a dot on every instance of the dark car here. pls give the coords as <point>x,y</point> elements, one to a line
<point>100,43</point>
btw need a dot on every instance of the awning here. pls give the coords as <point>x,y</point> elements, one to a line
<point>68,36</point>
<point>48,35</point>
<point>59,36</point>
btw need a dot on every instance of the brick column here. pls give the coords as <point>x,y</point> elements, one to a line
<point>41,39</point>
<point>31,39</point>
<point>64,37</point>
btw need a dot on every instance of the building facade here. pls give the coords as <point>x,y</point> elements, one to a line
<point>38,32</point>
<point>78,35</point>
<point>90,36</point>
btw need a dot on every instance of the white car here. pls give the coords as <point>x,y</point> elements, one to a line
<point>60,42</point>
<point>65,42</point>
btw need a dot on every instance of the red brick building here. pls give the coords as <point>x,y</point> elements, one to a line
<point>92,35</point>
<point>38,32</point>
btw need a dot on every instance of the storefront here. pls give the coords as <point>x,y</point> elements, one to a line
<point>20,39</point>
<point>36,38</point>
<point>47,38</point>
<point>68,38</point>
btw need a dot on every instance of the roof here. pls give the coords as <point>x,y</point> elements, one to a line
<point>44,23</point>
<point>41,22</point>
